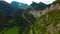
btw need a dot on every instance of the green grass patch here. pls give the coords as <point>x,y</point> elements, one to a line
<point>13,30</point>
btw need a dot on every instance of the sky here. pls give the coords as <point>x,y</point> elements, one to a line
<point>30,1</point>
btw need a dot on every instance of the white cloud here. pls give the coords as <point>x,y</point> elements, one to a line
<point>30,1</point>
<point>47,1</point>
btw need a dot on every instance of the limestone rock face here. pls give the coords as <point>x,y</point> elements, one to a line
<point>37,14</point>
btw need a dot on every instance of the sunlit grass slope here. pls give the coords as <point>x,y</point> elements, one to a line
<point>48,23</point>
<point>13,30</point>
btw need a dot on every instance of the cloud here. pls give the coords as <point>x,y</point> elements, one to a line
<point>47,1</point>
<point>30,1</point>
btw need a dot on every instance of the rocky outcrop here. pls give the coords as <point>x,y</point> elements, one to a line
<point>37,14</point>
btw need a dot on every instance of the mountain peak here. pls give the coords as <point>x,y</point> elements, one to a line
<point>19,5</point>
<point>39,6</point>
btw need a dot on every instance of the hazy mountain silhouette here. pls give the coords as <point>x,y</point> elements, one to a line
<point>19,5</point>
<point>38,6</point>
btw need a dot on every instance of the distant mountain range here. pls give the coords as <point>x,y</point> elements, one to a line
<point>19,5</point>
<point>38,6</point>
<point>17,8</point>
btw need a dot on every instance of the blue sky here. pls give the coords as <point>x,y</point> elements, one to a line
<point>30,1</point>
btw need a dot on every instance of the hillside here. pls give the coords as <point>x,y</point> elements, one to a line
<point>48,23</point>
<point>19,21</point>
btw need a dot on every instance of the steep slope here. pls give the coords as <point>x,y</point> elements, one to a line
<point>7,12</point>
<point>48,23</point>
<point>6,8</point>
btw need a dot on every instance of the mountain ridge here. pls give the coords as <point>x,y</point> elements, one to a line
<point>19,5</point>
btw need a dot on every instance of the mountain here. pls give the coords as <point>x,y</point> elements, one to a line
<point>7,12</point>
<point>51,21</point>
<point>19,5</point>
<point>7,9</point>
<point>38,6</point>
